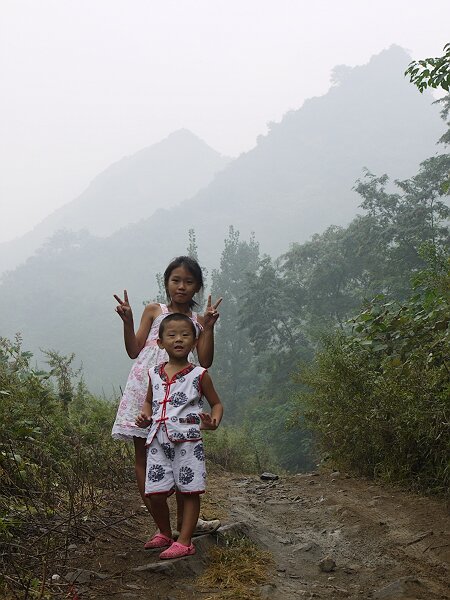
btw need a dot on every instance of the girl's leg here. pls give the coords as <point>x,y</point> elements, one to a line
<point>140,453</point>
<point>160,512</point>
<point>191,511</point>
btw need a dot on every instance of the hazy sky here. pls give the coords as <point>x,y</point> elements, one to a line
<point>85,82</point>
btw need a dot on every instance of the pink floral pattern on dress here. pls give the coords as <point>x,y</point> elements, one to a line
<point>124,427</point>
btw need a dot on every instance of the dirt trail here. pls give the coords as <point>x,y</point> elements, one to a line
<point>385,543</point>
<point>374,534</point>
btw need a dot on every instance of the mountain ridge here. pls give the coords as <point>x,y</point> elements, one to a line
<point>297,181</point>
<point>162,174</point>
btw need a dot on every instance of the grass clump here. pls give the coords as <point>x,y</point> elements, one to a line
<point>236,570</point>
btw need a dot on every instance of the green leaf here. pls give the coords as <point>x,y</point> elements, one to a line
<point>380,347</point>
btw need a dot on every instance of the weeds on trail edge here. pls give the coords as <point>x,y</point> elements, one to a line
<point>57,460</point>
<point>236,570</point>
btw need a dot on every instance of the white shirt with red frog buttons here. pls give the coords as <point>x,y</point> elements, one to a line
<point>176,403</point>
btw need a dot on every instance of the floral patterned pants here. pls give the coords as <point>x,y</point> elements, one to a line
<point>174,466</point>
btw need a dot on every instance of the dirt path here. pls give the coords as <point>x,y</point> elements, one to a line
<point>374,534</point>
<point>385,543</point>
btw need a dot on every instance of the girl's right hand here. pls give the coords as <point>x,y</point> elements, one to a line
<point>124,309</point>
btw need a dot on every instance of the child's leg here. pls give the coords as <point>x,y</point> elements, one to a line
<point>202,526</point>
<point>140,453</point>
<point>191,511</point>
<point>190,477</point>
<point>180,509</point>
<point>161,515</point>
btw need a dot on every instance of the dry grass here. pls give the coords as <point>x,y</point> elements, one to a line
<point>236,571</point>
<point>215,503</point>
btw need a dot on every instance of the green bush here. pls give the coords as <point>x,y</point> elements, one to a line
<point>379,392</point>
<point>236,448</point>
<point>57,459</point>
<point>267,439</point>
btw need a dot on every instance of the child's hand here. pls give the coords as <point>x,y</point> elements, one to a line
<point>124,309</point>
<point>211,315</point>
<point>207,421</point>
<point>143,420</point>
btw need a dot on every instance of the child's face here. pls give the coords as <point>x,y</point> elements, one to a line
<point>181,285</point>
<point>178,339</point>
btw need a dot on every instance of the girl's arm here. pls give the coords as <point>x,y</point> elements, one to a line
<point>205,344</point>
<point>134,342</point>
<point>144,418</point>
<point>211,421</point>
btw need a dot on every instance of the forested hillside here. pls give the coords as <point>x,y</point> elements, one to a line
<point>296,182</point>
<point>132,189</point>
<point>359,315</point>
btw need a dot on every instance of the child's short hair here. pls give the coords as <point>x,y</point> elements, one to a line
<point>176,317</point>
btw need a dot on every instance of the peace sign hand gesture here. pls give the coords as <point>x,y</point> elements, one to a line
<point>211,315</point>
<point>124,309</point>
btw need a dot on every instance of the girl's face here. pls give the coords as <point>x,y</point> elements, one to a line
<point>182,285</point>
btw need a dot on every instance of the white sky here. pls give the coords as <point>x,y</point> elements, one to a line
<point>85,82</point>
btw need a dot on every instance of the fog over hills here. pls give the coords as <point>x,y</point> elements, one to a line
<point>131,189</point>
<point>296,181</point>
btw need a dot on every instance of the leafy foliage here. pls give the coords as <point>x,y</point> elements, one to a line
<point>379,393</point>
<point>56,459</point>
<point>431,72</point>
<point>234,370</point>
<point>254,345</point>
<point>316,286</point>
<point>238,448</point>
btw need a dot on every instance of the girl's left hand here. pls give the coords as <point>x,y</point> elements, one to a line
<point>207,421</point>
<point>211,315</point>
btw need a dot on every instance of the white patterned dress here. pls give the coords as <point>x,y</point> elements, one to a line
<point>130,406</point>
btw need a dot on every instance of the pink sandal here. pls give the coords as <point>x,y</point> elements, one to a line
<point>159,540</point>
<point>177,550</point>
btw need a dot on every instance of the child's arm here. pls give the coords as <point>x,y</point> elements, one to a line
<point>205,344</point>
<point>145,416</point>
<point>211,421</point>
<point>134,342</point>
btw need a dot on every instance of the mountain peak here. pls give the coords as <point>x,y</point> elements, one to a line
<point>182,133</point>
<point>389,64</point>
<point>183,139</point>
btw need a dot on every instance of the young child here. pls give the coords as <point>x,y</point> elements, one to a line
<point>175,457</point>
<point>183,278</point>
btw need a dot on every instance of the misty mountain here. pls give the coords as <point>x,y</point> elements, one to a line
<point>296,181</point>
<point>131,189</point>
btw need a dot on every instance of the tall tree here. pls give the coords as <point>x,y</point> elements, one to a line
<point>192,251</point>
<point>235,371</point>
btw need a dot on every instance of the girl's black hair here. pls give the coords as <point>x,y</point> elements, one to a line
<point>194,269</point>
